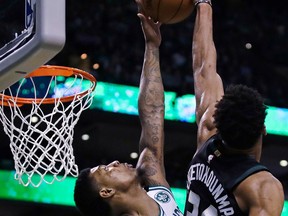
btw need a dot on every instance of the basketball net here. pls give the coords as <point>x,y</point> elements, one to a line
<point>41,135</point>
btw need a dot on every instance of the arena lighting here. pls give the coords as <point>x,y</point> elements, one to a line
<point>283,163</point>
<point>61,193</point>
<point>248,46</point>
<point>34,119</point>
<point>122,99</point>
<point>126,102</point>
<point>96,66</point>
<point>134,155</point>
<point>181,108</point>
<point>83,56</point>
<point>85,137</point>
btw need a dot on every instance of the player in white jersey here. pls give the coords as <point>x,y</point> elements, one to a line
<point>164,197</point>
<point>118,188</point>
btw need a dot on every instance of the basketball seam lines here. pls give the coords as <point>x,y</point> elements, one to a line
<point>176,11</point>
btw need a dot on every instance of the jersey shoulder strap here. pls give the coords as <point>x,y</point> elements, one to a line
<point>165,199</point>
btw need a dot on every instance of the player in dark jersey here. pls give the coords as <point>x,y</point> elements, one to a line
<point>225,176</point>
<point>118,188</point>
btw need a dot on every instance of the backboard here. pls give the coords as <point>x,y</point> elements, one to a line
<point>32,32</point>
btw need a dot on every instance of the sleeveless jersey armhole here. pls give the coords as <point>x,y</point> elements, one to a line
<point>246,174</point>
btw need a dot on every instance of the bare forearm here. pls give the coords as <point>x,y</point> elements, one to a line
<point>151,101</point>
<point>203,49</point>
<point>207,85</point>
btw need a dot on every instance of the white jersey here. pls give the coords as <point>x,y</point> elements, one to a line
<point>164,197</point>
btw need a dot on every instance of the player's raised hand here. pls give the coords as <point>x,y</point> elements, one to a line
<point>150,28</point>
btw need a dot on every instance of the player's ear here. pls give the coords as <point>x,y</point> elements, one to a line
<point>106,192</point>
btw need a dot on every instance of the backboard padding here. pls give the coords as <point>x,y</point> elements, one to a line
<point>48,40</point>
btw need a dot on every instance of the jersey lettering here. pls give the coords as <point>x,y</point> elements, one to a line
<point>177,212</point>
<point>194,202</point>
<point>194,199</point>
<point>211,179</point>
<point>202,173</point>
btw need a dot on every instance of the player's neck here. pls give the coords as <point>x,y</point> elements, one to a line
<point>135,203</point>
<point>254,152</point>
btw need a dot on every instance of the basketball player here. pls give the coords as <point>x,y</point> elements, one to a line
<point>225,176</point>
<point>118,188</point>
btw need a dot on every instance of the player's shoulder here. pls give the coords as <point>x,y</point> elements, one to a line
<point>263,178</point>
<point>260,189</point>
<point>260,181</point>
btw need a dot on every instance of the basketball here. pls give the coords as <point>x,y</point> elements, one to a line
<point>168,11</point>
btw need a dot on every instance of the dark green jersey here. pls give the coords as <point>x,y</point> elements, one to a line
<point>212,178</point>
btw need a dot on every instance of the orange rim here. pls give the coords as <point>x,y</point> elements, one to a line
<point>51,70</point>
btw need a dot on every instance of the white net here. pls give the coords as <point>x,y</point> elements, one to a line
<point>41,135</point>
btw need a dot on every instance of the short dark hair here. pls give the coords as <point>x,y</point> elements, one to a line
<point>87,198</point>
<point>240,116</point>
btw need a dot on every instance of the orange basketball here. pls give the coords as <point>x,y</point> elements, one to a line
<point>168,11</point>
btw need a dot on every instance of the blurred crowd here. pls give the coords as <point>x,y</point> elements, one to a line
<point>250,37</point>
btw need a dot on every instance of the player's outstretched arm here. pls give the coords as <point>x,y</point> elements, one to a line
<point>151,108</point>
<point>207,83</point>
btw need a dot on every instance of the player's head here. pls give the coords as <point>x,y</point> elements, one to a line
<point>86,196</point>
<point>239,117</point>
<point>95,188</point>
